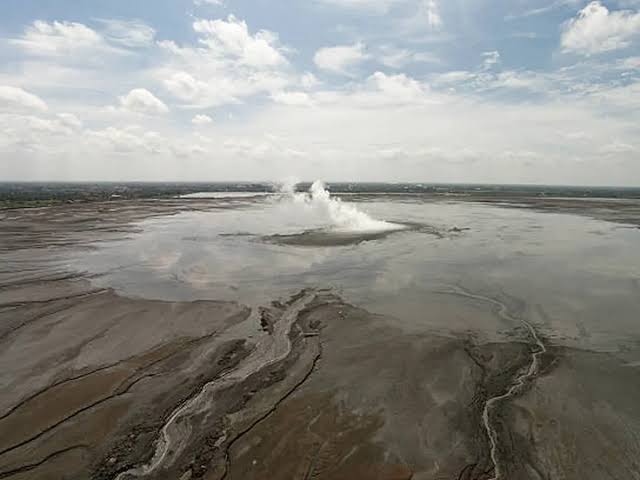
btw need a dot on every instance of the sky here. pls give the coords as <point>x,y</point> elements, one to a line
<point>481,91</point>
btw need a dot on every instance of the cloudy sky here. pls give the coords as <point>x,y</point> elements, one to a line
<point>500,91</point>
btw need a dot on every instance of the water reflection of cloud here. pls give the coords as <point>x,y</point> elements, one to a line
<point>544,259</point>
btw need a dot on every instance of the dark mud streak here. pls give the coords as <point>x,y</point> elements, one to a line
<point>36,280</point>
<point>519,383</point>
<point>22,270</point>
<point>267,414</point>
<point>67,355</point>
<point>478,401</point>
<point>467,468</point>
<point>321,445</point>
<point>35,318</point>
<point>237,345</point>
<point>118,392</point>
<point>31,466</point>
<point>312,464</point>
<point>56,384</point>
<point>475,360</point>
<point>76,413</point>
<point>55,299</point>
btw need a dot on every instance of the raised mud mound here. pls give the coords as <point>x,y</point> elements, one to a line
<point>332,238</point>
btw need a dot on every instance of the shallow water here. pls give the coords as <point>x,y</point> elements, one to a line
<point>577,279</point>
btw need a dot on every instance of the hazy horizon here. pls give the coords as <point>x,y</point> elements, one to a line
<point>309,182</point>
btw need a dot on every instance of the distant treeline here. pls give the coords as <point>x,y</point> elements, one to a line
<point>13,195</point>
<point>483,189</point>
<point>16,195</point>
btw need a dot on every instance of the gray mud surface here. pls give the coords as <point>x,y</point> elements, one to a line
<point>97,385</point>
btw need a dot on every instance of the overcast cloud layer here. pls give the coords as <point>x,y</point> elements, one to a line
<point>499,91</point>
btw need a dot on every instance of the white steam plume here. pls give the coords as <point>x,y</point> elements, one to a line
<point>338,216</point>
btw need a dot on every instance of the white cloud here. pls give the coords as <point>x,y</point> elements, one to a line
<point>596,30</point>
<point>46,125</point>
<point>14,98</point>
<point>378,91</point>
<point>128,139</point>
<point>70,120</point>
<point>453,77</point>
<point>184,86</point>
<point>128,33</point>
<point>520,80</point>
<point>297,99</point>
<point>140,100</point>
<point>398,88</point>
<point>186,150</point>
<point>200,3</point>
<point>490,59</point>
<point>618,147</point>
<point>228,65</point>
<point>32,133</point>
<point>625,97</point>
<point>340,59</point>
<point>423,17</point>
<point>432,13</point>
<point>396,58</point>
<point>59,38</point>
<point>631,63</point>
<point>202,79</point>
<point>201,120</point>
<point>544,9</point>
<point>308,80</point>
<point>372,6</point>
<point>268,148</point>
<point>410,117</point>
<point>232,37</point>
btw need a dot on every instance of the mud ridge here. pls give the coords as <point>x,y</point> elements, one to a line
<point>262,352</point>
<point>124,388</point>
<point>272,410</point>
<point>519,382</point>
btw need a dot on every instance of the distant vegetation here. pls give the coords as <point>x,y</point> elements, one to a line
<point>20,195</point>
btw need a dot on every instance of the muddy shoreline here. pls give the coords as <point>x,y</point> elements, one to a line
<point>98,385</point>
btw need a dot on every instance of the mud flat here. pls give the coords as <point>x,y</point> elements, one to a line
<point>102,386</point>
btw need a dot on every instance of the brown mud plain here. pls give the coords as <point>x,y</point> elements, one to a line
<point>98,384</point>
